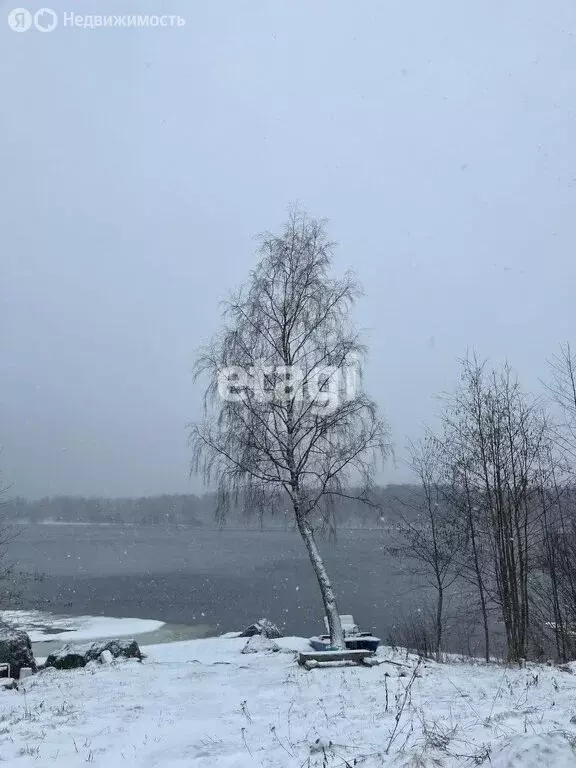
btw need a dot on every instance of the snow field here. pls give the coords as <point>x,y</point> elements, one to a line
<point>203,703</point>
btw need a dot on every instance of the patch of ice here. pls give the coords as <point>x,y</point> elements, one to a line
<point>43,627</point>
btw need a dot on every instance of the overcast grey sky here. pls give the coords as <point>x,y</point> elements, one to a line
<point>439,139</point>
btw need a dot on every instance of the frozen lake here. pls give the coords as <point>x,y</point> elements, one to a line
<point>222,579</point>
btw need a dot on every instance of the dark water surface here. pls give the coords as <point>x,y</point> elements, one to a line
<point>224,579</point>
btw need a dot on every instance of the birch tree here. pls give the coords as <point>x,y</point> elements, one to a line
<point>285,411</point>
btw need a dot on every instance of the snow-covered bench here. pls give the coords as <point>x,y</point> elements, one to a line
<point>319,658</point>
<point>349,627</point>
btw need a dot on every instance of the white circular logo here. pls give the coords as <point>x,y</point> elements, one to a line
<point>45,20</point>
<point>20,20</point>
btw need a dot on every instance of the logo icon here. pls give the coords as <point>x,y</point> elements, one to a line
<point>45,20</point>
<point>20,20</point>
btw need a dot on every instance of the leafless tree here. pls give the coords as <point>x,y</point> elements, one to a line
<point>554,581</point>
<point>499,435</point>
<point>434,534</point>
<point>562,387</point>
<point>285,409</point>
<point>555,593</point>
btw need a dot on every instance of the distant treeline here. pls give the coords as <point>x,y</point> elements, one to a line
<point>388,504</point>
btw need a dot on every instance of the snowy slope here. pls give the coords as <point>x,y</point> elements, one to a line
<point>203,703</point>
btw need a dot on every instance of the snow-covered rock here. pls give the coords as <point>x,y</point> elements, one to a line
<point>16,650</point>
<point>106,657</point>
<point>262,627</point>
<point>77,656</point>
<point>260,644</point>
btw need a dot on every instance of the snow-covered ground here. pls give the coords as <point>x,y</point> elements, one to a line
<point>203,703</point>
<point>43,626</point>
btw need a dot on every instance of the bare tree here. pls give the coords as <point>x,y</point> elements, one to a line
<point>474,568</point>
<point>436,536</point>
<point>500,436</point>
<point>554,582</point>
<point>285,409</point>
<point>555,587</point>
<point>562,387</point>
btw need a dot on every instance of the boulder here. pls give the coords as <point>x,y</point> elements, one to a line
<point>262,627</point>
<point>122,649</point>
<point>260,644</point>
<point>106,657</point>
<point>16,650</point>
<point>68,657</point>
<point>76,656</point>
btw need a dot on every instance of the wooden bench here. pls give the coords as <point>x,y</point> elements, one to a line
<point>312,659</point>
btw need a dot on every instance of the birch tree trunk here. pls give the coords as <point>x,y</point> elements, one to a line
<point>328,597</point>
